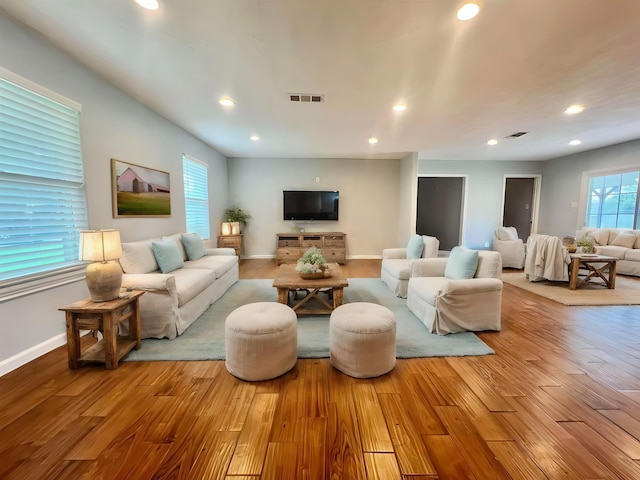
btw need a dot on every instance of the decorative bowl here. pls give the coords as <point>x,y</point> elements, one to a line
<point>311,276</point>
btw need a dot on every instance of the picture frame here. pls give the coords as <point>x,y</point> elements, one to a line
<point>139,191</point>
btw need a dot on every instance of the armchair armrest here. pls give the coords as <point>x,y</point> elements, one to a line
<point>394,253</point>
<point>221,251</point>
<point>472,285</point>
<point>428,267</point>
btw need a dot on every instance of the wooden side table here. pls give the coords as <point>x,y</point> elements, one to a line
<point>231,241</point>
<point>104,316</point>
<point>597,266</point>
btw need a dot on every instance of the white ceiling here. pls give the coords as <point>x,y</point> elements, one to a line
<point>515,67</point>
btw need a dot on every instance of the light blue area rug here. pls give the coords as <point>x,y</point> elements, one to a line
<point>204,340</point>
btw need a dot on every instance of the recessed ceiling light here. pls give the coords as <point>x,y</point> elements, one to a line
<point>226,102</point>
<point>575,142</point>
<point>400,107</point>
<point>493,141</point>
<point>573,109</point>
<point>255,138</point>
<point>148,4</point>
<point>468,11</point>
<point>373,140</point>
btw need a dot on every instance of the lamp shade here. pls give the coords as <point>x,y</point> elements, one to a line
<point>100,245</point>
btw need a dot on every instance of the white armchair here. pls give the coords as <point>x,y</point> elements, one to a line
<point>510,247</point>
<point>396,264</point>
<point>448,305</point>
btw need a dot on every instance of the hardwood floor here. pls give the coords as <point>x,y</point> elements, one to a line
<point>559,399</point>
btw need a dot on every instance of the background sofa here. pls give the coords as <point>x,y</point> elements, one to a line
<point>621,243</point>
<point>176,298</point>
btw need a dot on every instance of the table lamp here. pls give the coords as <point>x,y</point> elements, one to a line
<point>104,276</point>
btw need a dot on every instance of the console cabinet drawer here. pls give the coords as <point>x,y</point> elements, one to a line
<point>290,247</point>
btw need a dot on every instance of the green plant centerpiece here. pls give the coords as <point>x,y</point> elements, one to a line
<point>586,245</point>
<point>312,263</point>
<point>236,214</point>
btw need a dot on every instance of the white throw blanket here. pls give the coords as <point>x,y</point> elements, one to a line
<point>546,259</point>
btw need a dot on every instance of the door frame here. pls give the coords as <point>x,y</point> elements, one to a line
<point>535,201</point>
<point>465,195</point>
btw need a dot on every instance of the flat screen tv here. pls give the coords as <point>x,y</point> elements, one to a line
<point>310,205</point>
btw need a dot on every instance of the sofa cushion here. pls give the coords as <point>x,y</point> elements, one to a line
<point>191,281</point>
<point>462,263</point>
<point>193,245</point>
<point>218,264</point>
<point>138,257</point>
<point>632,254</point>
<point>624,239</point>
<point>414,247</point>
<point>167,254</point>
<point>177,238</point>
<point>612,251</point>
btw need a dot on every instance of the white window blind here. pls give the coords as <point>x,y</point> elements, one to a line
<point>196,196</point>
<point>42,198</point>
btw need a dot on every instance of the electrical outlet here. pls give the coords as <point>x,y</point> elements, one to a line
<point>317,179</point>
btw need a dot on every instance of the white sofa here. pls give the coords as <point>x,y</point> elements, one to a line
<point>618,243</point>
<point>448,305</point>
<point>174,300</point>
<point>396,267</point>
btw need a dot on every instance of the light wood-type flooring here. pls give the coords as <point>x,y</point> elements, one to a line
<point>559,400</point>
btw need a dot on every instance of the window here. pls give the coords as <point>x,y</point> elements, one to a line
<point>42,197</point>
<point>196,196</point>
<point>612,200</point>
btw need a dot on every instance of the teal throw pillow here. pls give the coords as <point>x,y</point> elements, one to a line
<point>167,255</point>
<point>194,246</point>
<point>462,264</point>
<point>414,247</point>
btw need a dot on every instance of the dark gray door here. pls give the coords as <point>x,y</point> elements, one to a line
<point>439,212</point>
<point>518,205</point>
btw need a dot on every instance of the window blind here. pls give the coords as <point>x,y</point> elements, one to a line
<point>42,197</point>
<point>196,196</point>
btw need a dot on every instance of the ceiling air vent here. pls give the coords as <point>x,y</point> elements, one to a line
<point>516,135</point>
<point>306,97</point>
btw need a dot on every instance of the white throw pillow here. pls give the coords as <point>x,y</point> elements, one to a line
<point>507,233</point>
<point>138,257</point>
<point>626,240</point>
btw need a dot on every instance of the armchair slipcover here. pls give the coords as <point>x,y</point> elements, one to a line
<point>547,259</point>
<point>449,306</point>
<point>510,247</point>
<point>396,268</point>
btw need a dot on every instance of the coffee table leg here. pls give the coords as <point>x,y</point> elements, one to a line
<point>573,274</point>
<point>283,296</point>
<point>337,297</point>
<point>612,275</point>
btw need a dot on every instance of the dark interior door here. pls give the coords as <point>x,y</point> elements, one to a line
<point>439,211</point>
<point>518,205</point>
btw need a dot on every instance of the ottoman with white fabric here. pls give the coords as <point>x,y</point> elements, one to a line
<point>362,339</point>
<point>261,340</point>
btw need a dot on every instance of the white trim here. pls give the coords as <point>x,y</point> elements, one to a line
<point>195,160</point>
<point>39,89</point>
<point>32,353</point>
<point>44,281</point>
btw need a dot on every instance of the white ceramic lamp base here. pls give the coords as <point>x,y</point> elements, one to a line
<point>104,280</point>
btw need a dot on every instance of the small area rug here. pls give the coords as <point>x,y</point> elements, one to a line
<point>627,291</point>
<point>204,340</point>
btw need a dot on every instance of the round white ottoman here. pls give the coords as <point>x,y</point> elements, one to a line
<point>261,340</point>
<point>362,339</point>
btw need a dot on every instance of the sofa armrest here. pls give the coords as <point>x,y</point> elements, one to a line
<point>428,267</point>
<point>394,253</point>
<point>221,251</point>
<point>149,282</point>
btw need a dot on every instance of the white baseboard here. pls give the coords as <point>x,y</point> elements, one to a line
<point>32,353</point>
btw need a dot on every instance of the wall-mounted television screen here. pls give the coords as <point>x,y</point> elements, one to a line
<point>309,205</point>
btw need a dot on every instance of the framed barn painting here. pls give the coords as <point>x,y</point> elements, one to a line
<point>139,191</point>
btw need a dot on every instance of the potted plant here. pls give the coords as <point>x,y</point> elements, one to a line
<point>237,217</point>
<point>586,245</point>
<point>312,264</point>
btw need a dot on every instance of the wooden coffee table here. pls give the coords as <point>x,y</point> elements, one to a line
<point>289,284</point>
<point>597,266</point>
